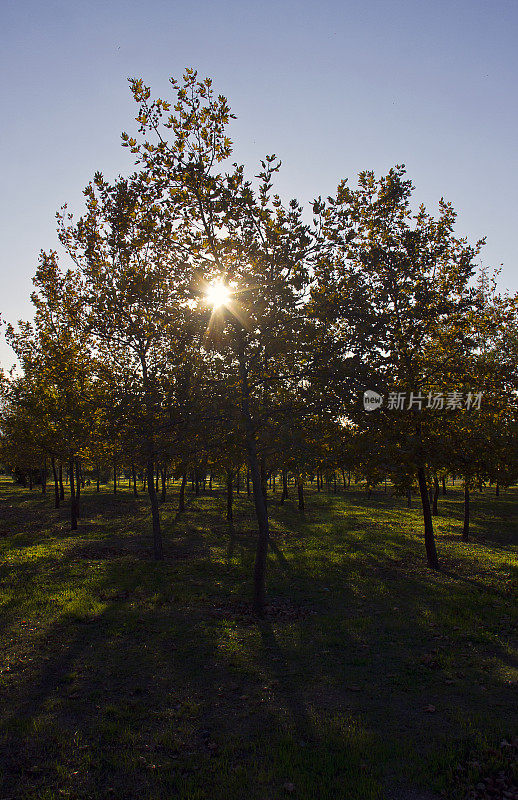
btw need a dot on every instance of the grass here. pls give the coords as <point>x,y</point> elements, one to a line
<point>125,678</point>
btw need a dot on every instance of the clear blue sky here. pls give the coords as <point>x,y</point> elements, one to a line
<point>332,87</point>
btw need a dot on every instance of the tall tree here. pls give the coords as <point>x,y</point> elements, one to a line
<point>394,288</point>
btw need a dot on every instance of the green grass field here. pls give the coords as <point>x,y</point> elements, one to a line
<point>369,679</point>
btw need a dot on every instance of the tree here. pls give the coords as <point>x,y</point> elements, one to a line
<point>53,396</point>
<point>394,289</point>
<point>240,239</point>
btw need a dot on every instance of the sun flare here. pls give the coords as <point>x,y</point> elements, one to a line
<point>217,295</point>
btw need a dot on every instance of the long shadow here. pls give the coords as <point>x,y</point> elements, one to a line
<point>278,663</point>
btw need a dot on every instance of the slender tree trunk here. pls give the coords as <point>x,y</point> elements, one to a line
<point>181,499</point>
<point>300,492</point>
<point>196,483</point>
<point>114,476</point>
<point>73,506</point>
<point>465,527</point>
<point>61,485</point>
<point>255,472</point>
<point>343,478</point>
<point>56,482</point>
<point>429,539</point>
<point>164,490</point>
<point>409,497</point>
<point>238,480</point>
<point>78,488</point>
<point>284,495</point>
<point>443,485</point>
<point>334,482</point>
<point>210,481</point>
<point>134,477</point>
<point>230,495</point>
<point>248,482</point>
<point>436,489</point>
<point>157,477</point>
<point>497,490</point>
<point>264,481</point>
<point>43,473</point>
<point>155,513</point>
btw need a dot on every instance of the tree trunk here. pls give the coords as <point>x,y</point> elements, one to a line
<point>181,499</point>
<point>409,498</point>
<point>334,482</point>
<point>497,490</point>
<point>255,472</point>
<point>443,485</point>
<point>61,486</point>
<point>248,482</point>
<point>134,477</point>
<point>73,507</point>
<point>238,480</point>
<point>44,477</point>
<point>300,492</point>
<point>465,527</point>
<point>78,488</point>
<point>284,495</point>
<point>264,481</point>
<point>230,495</point>
<point>436,488</point>
<point>429,539</point>
<point>56,482</point>
<point>114,476</point>
<point>155,513</point>
<point>164,490</point>
<point>150,417</point>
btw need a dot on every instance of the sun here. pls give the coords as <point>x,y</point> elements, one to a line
<point>217,295</point>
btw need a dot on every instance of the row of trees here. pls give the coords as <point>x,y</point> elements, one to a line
<point>203,322</point>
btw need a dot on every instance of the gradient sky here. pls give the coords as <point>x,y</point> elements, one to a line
<point>331,87</point>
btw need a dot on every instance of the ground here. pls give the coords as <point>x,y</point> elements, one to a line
<point>370,678</point>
